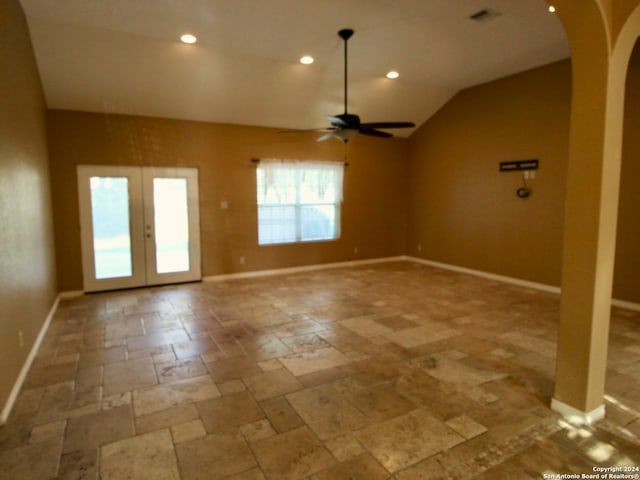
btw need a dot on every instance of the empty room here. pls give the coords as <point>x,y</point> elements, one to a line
<point>366,239</point>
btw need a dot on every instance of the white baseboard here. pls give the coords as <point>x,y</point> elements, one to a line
<point>575,416</point>
<point>491,276</point>
<point>626,305</point>
<point>15,391</point>
<point>514,281</point>
<point>305,268</point>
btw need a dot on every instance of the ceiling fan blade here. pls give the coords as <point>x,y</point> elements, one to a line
<point>388,124</point>
<point>300,130</point>
<point>374,133</point>
<point>337,121</point>
<point>326,136</point>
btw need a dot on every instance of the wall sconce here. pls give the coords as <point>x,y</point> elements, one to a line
<point>528,168</point>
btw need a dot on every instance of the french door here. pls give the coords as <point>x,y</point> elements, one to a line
<point>139,226</point>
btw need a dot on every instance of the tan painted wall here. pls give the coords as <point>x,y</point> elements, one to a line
<point>456,193</point>
<point>620,12</point>
<point>627,266</point>
<point>373,212</point>
<point>27,277</point>
<point>462,210</point>
<point>455,190</point>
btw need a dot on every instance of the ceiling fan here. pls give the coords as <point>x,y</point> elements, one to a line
<point>347,125</point>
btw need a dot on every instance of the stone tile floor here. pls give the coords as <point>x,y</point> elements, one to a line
<point>389,371</point>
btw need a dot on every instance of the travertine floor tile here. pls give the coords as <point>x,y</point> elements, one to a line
<point>380,403</point>
<point>253,474</point>
<point>231,387</point>
<point>102,356</point>
<point>272,383</point>
<point>292,455</point>
<point>327,411</point>
<point>233,369</point>
<point>166,418</point>
<point>394,370</point>
<point>533,343</point>
<point>218,455</point>
<point>129,375</point>
<point>34,461</point>
<point>229,411</point>
<point>305,343</point>
<point>116,400</point>
<point>187,431</point>
<point>313,361</point>
<point>49,374</point>
<point>48,431</point>
<point>257,430</point>
<point>161,397</point>
<point>455,372</point>
<point>156,339</point>
<point>142,457</point>
<point>172,370</point>
<point>413,337</point>
<point>405,440</point>
<point>281,414</point>
<point>365,327</point>
<point>79,465</point>
<point>344,447</point>
<point>466,426</point>
<point>362,467</point>
<point>96,429</point>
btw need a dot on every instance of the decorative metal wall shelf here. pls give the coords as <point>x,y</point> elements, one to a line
<point>518,165</point>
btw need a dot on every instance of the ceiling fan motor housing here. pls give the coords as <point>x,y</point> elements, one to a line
<point>348,120</point>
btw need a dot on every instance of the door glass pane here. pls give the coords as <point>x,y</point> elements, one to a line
<point>111,232</point>
<point>171,220</point>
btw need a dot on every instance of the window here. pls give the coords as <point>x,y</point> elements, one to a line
<point>298,201</point>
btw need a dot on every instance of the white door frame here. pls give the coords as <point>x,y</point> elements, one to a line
<point>141,225</point>
<point>191,176</point>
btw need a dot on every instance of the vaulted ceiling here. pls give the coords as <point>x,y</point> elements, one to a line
<point>124,56</point>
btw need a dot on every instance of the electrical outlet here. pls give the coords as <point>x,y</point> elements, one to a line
<point>419,247</point>
<point>241,260</point>
<point>20,339</point>
<point>355,250</point>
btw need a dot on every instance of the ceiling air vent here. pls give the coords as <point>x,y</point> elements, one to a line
<point>485,15</point>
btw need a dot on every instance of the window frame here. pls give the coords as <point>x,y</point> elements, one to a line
<point>298,205</point>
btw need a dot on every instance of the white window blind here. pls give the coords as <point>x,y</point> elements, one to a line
<point>298,201</point>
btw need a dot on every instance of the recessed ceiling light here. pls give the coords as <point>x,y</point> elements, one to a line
<point>393,74</point>
<point>552,9</point>
<point>188,38</point>
<point>306,60</point>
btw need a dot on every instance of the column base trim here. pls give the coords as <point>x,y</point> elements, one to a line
<point>575,416</point>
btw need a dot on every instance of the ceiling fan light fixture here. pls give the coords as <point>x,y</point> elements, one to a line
<point>188,38</point>
<point>392,74</point>
<point>306,60</point>
<point>345,134</point>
